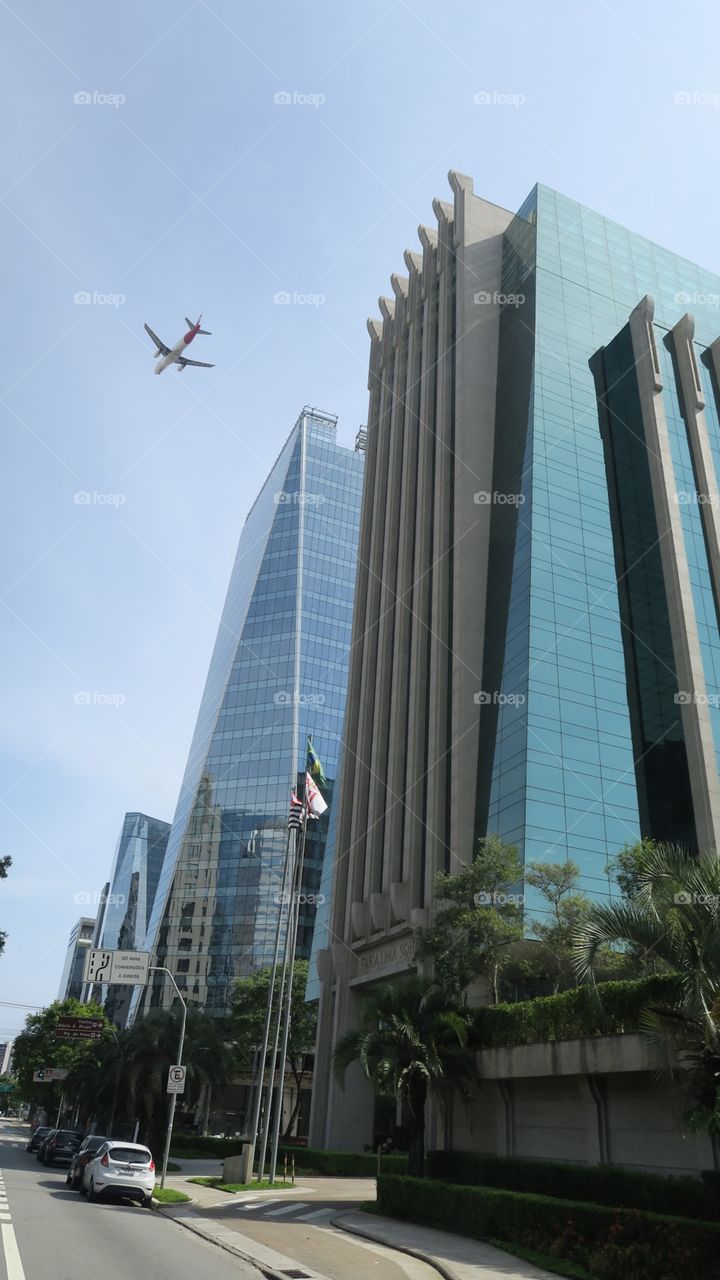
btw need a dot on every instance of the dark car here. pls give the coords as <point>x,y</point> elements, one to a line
<point>40,1148</point>
<point>60,1146</point>
<point>87,1149</point>
<point>37,1137</point>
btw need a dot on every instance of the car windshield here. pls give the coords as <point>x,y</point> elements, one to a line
<point>92,1144</point>
<point>130,1155</point>
<point>68,1135</point>
<point>40,1133</point>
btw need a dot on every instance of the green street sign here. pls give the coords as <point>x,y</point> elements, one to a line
<point>7,1088</point>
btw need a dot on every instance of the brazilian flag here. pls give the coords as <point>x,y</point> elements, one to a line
<point>314,767</point>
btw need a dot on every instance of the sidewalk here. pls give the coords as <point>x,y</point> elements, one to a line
<point>455,1257</point>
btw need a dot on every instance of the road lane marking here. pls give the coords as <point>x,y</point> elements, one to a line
<point>254,1204</point>
<point>5,1217</point>
<point>316,1215</point>
<point>286,1208</point>
<point>13,1265</point>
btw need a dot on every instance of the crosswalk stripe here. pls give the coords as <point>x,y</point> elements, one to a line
<point>286,1208</point>
<point>255,1204</point>
<point>316,1215</point>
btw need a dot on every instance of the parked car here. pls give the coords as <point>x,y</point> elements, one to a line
<point>40,1148</point>
<point>121,1169</point>
<point>36,1138</point>
<point>87,1149</point>
<point>60,1145</point>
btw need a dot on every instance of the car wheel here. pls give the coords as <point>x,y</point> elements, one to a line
<point>147,1202</point>
<point>91,1193</point>
<point>68,1179</point>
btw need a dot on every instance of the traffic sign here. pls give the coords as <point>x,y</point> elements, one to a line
<point>127,968</point>
<point>176,1080</point>
<point>79,1028</point>
<point>46,1075</point>
<point>7,1088</point>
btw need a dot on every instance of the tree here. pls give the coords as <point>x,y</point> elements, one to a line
<point>671,920</point>
<point>38,1047</point>
<point>556,882</point>
<point>478,919</point>
<point>413,1042</point>
<point>5,864</point>
<point>628,866</point>
<point>248,1004</point>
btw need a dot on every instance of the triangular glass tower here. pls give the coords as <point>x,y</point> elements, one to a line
<point>278,673</point>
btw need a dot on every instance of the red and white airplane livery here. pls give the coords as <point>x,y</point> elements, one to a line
<point>173,355</point>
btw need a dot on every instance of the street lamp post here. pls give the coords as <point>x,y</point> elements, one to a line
<point>173,1096</point>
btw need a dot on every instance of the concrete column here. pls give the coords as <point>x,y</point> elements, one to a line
<point>438,762</point>
<point>415,777</point>
<point>383,681</point>
<point>479,228</point>
<point>362,747</point>
<point>339,918</point>
<point>393,880</point>
<point>697,726</point>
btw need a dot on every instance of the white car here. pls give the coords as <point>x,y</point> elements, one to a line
<point>121,1169</point>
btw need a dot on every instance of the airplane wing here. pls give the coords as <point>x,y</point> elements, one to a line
<point>198,364</point>
<point>162,349</point>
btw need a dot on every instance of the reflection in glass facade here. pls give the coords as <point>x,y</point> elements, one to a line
<point>278,673</point>
<point>130,897</point>
<point>592,753</point>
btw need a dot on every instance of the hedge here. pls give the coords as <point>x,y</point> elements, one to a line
<point>573,1014</point>
<point>611,1244</point>
<point>339,1164</point>
<point>595,1184</point>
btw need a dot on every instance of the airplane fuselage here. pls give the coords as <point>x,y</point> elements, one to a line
<point>172,356</point>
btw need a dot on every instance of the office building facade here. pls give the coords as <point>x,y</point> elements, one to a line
<point>79,943</point>
<point>128,899</point>
<point>278,674</point>
<point>535,639</point>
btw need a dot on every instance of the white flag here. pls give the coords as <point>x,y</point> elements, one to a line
<point>315,803</point>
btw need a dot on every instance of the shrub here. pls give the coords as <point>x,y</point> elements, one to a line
<point>612,1244</point>
<point>190,1144</point>
<point>338,1164</point>
<point>597,1184</point>
<point>572,1014</point>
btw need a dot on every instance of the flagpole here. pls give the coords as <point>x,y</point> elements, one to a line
<point>278,1016</point>
<point>249,1150</point>
<point>288,1010</point>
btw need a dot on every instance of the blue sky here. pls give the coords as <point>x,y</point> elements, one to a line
<point>181,186</point>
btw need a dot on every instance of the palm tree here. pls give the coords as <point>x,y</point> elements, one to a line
<point>673,921</point>
<point>413,1042</point>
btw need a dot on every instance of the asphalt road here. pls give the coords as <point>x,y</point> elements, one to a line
<point>51,1233</point>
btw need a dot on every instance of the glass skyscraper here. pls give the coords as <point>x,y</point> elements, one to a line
<point>278,673</point>
<point>129,897</point>
<point>536,649</point>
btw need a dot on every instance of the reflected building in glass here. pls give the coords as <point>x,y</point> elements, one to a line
<point>536,649</point>
<point>278,673</point>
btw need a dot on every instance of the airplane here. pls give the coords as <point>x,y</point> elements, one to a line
<point>172,355</point>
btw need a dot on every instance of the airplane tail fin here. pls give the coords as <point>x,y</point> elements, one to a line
<point>190,325</point>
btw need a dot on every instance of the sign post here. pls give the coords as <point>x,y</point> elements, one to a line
<point>176,1075</point>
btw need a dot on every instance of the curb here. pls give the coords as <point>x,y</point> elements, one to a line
<point>353,1229</point>
<point>208,1236</point>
